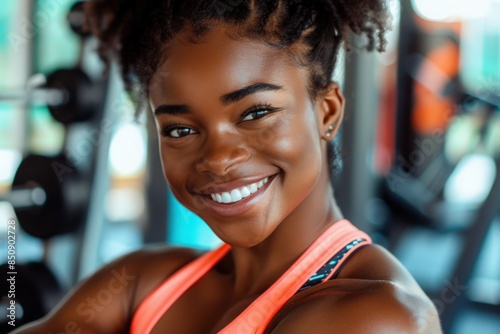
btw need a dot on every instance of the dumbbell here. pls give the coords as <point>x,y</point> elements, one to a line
<point>69,94</point>
<point>28,196</point>
<point>48,195</point>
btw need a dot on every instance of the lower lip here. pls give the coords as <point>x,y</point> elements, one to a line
<point>240,207</point>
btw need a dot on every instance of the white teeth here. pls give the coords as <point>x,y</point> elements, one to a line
<point>238,194</point>
<point>226,198</point>
<point>245,192</point>
<point>218,198</point>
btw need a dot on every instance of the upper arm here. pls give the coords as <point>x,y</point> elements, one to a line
<point>105,302</point>
<point>383,309</point>
<point>98,304</point>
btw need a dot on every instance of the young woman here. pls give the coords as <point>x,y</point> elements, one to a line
<point>246,112</point>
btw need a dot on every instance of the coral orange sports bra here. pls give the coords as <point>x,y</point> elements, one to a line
<point>317,264</point>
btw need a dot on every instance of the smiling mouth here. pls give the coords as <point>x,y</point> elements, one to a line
<point>238,194</point>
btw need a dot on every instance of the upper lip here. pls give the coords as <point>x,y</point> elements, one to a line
<point>214,187</point>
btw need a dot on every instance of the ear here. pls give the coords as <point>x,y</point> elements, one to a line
<point>330,109</point>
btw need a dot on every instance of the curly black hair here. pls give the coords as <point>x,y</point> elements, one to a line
<point>137,33</point>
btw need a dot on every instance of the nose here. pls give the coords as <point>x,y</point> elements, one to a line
<point>220,153</point>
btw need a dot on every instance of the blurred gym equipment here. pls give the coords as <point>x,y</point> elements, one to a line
<point>37,292</point>
<point>64,195</point>
<point>69,94</point>
<point>451,125</point>
<point>51,195</point>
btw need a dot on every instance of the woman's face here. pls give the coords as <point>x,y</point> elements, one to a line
<point>240,140</point>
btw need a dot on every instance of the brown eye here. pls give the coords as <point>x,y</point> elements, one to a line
<point>178,132</point>
<point>249,116</point>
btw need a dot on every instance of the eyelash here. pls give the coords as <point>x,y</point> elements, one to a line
<point>166,129</point>
<point>259,107</point>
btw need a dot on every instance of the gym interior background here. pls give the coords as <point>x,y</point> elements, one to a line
<point>80,173</point>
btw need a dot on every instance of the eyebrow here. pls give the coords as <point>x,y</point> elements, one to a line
<point>171,109</point>
<point>249,90</point>
<point>180,109</point>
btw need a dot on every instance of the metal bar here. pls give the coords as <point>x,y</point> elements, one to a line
<point>90,237</point>
<point>25,197</point>
<point>22,61</point>
<point>40,96</point>
<point>404,94</point>
<point>156,190</point>
<point>356,182</point>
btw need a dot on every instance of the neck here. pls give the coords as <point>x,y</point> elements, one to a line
<point>257,267</point>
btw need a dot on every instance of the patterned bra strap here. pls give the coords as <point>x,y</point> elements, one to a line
<point>332,266</point>
<point>256,317</point>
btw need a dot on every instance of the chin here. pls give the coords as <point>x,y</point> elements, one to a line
<point>240,232</point>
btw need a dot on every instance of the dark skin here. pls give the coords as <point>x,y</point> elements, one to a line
<point>215,146</point>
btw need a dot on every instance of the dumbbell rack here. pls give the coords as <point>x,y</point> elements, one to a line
<point>60,195</point>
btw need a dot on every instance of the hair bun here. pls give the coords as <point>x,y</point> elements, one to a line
<point>135,32</point>
<point>363,17</point>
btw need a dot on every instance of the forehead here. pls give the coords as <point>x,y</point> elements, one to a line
<point>217,64</point>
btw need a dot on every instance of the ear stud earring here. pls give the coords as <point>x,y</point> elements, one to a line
<point>330,130</point>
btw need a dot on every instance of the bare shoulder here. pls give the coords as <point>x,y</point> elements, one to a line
<point>105,301</point>
<point>373,293</point>
<point>155,264</point>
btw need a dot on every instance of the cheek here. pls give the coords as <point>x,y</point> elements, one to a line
<point>176,161</point>
<point>168,171</point>
<point>173,170</point>
<point>296,151</point>
<point>177,169</point>
<point>294,144</point>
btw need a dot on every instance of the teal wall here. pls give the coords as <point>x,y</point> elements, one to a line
<point>187,229</point>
